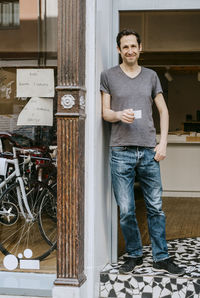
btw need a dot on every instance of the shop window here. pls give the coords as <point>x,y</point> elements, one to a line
<point>39,140</point>
<point>9,14</point>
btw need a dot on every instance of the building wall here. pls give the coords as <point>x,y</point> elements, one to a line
<point>98,189</point>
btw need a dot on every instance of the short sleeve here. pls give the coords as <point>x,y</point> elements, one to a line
<point>156,86</point>
<point>104,86</point>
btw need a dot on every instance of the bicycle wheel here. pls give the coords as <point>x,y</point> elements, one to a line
<point>48,218</point>
<point>24,232</point>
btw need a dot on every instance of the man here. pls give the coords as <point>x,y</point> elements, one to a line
<point>128,91</point>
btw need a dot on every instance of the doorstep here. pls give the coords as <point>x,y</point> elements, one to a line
<point>144,283</point>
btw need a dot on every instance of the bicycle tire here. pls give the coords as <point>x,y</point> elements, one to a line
<point>25,232</point>
<point>48,218</point>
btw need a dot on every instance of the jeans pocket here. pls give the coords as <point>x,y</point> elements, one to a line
<point>150,153</point>
<point>150,150</point>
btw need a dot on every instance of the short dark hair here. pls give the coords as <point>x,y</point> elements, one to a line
<point>126,32</point>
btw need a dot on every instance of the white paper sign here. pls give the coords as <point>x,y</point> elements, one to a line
<point>38,111</point>
<point>35,82</point>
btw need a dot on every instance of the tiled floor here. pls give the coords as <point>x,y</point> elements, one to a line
<point>144,283</point>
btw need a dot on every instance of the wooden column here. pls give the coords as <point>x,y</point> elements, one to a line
<point>71,142</point>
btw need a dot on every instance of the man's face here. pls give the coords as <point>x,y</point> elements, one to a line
<point>129,49</point>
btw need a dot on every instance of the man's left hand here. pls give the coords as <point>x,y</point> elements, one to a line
<point>160,152</point>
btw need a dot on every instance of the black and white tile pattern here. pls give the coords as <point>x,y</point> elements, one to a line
<point>145,283</point>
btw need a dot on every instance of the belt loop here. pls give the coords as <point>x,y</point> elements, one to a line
<point>138,153</point>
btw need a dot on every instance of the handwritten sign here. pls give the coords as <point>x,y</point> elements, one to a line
<point>35,82</point>
<point>38,111</point>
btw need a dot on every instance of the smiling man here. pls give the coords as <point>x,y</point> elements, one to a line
<point>128,92</point>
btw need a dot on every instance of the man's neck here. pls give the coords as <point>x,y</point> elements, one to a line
<point>131,70</point>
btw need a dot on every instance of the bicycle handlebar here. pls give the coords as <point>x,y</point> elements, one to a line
<point>9,154</point>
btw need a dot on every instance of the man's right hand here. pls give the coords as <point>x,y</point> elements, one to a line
<point>126,116</point>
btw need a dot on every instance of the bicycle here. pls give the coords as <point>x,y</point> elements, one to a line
<point>27,213</point>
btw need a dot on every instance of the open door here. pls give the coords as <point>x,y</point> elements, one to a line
<point>171,46</point>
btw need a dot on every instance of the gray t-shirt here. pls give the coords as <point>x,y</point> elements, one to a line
<point>132,93</point>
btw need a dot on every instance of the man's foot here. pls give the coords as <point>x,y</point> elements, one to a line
<point>130,265</point>
<point>168,266</point>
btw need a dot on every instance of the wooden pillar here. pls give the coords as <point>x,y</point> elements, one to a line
<point>71,142</point>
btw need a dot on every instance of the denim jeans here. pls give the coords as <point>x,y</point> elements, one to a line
<point>125,163</point>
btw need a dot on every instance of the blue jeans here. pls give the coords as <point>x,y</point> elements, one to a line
<point>125,163</point>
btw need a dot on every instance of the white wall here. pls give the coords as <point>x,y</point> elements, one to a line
<point>97,184</point>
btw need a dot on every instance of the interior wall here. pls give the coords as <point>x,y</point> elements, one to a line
<point>167,36</point>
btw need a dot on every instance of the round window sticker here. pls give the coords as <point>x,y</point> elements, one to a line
<point>28,253</point>
<point>10,262</point>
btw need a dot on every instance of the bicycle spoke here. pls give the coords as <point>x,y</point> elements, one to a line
<point>26,232</point>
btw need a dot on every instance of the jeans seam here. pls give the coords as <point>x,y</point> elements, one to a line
<point>133,257</point>
<point>160,260</point>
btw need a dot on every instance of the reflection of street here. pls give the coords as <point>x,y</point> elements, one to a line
<point>6,90</point>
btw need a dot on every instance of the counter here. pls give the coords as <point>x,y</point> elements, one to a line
<point>181,139</point>
<point>180,170</point>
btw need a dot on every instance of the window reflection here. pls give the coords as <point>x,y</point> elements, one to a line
<point>9,14</point>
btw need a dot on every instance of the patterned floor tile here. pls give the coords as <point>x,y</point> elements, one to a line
<point>146,283</point>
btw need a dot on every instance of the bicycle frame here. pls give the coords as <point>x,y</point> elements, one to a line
<point>21,193</point>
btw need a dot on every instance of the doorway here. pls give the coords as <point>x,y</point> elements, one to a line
<point>171,48</point>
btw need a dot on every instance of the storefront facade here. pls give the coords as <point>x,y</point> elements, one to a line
<point>87,214</point>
